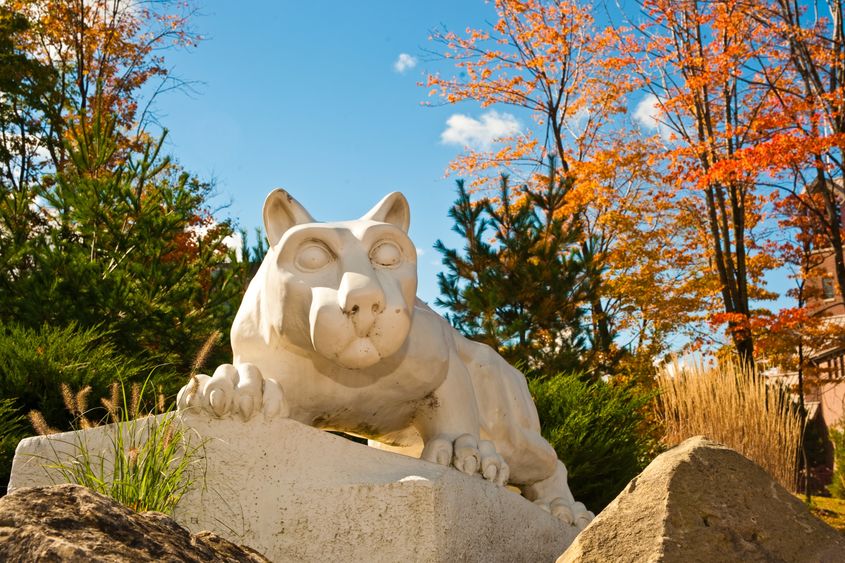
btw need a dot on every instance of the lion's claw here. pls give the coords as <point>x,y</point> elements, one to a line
<point>439,451</point>
<point>493,466</point>
<point>466,457</point>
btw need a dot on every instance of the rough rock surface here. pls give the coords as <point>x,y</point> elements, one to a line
<point>702,501</point>
<point>73,523</point>
<point>299,494</point>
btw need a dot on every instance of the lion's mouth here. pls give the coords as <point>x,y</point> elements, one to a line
<point>361,352</point>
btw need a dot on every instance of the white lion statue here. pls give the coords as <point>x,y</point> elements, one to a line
<point>330,333</point>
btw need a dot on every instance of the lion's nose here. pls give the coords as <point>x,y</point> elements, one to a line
<point>362,298</point>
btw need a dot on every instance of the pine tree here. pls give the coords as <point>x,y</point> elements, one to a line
<point>522,282</point>
<point>128,245</point>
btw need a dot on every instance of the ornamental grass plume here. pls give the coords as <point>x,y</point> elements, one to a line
<point>39,424</point>
<point>147,462</point>
<point>734,406</point>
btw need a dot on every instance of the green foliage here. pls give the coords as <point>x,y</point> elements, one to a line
<point>127,244</point>
<point>837,485</point>
<point>28,106</point>
<point>522,280</point>
<point>25,112</point>
<point>147,466</point>
<point>601,432</point>
<point>35,362</point>
<point>12,431</point>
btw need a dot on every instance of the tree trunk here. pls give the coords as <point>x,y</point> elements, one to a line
<point>834,225</point>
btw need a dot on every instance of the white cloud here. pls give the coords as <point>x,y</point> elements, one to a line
<point>649,114</point>
<point>233,241</point>
<point>404,62</point>
<point>576,122</point>
<point>420,252</point>
<point>479,134</point>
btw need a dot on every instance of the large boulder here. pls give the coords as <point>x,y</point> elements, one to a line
<point>702,501</point>
<point>73,523</point>
<point>295,493</point>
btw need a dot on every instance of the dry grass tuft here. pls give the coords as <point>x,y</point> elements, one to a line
<point>735,407</point>
<point>39,424</point>
<point>204,351</point>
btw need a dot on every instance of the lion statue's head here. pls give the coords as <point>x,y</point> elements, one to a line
<point>345,290</point>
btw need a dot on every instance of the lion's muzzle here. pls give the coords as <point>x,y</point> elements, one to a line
<point>357,338</point>
<point>361,299</point>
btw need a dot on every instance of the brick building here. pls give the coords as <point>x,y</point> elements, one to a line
<point>826,305</point>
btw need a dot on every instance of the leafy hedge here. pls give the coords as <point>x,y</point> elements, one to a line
<point>837,485</point>
<point>34,364</point>
<point>601,431</point>
<point>12,430</point>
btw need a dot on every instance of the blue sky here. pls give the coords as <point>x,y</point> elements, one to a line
<point>306,96</point>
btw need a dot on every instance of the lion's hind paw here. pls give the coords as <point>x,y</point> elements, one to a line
<point>233,389</point>
<point>574,514</point>
<point>493,466</point>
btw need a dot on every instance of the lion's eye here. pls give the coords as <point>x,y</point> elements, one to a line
<point>313,256</point>
<point>386,254</point>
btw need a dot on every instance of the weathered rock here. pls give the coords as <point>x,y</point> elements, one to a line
<point>295,493</point>
<point>702,501</point>
<point>73,523</point>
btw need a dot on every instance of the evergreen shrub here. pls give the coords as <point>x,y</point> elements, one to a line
<point>12,431</point>
<point>601,431</point>
<point>837,485</point>
<point>35,362</point>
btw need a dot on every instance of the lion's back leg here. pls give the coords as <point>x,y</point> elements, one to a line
<point>509,419</point>
<point>508,415</point>
<point>553,494</point>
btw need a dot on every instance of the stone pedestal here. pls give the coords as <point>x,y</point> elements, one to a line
<point>295,493</point>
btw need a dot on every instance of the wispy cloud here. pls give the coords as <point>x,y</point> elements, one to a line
<point>404,62</point>
<point>649,113</point>
<point>479,134</point>
<point>577,122</point>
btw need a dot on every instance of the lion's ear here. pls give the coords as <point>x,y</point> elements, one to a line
<point>281,212</point>
<point>393,208</point>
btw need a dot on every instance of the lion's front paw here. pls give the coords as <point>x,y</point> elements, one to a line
<point>468,455</point>
<point>232,389</point>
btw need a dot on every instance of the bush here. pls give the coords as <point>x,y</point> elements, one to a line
<point>837,485</point>
<point>600,431</point>
<point>34,364</point>
<point>12,431</point>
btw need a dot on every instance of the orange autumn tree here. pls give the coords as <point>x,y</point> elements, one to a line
<point>790,336</point>
<point>118,236</point>
<point>102,53</point>
<point>549,61</point>
<point>651,290</point>
<point>804,67</point>
<point>699,62</point>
